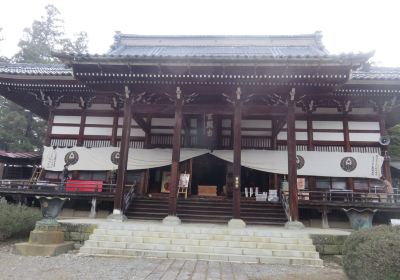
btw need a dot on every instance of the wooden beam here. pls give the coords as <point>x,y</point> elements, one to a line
<point>278,126</point>
<point>114,132</point>
<point>147,139</point>
<point>81,128</point>
<point>347,146</point>
<point>292,162</point>
<point>142,123</point>
<point>49,127</point>
<point>186,129</point>
<point>123,153</point>
<point>384,149</point>
<point>237,147</point>
<point>310,147</point>
<point>224,109</point>
<point>176,148</point>
<point>274,147</point>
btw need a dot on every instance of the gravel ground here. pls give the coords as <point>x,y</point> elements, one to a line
<point>72,266</point>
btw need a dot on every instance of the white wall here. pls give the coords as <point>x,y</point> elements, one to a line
<point>327,125</point>
<point>99,120</point>
<point>363,125</point>
<point>73,130</point>
<point>67,119</point>
<point>328,136</point>
<point>103,131</point>
<point>364,137</point>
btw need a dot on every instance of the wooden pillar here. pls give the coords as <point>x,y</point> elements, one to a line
<point>274,147</point>
<point>176,151</point>
<point>310,147</point>
<point>114,132</point>
<point>237,147</point>
<point>347,146</point>
<point>292,165</point>
<point>219,132</point>
<point>81,128</point>
<point>123,151</point>
<point>50,121</point>
<point>147,137</point>
<point>384,149</point>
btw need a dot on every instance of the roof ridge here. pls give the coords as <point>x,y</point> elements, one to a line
<point>310,35</point>
<point>129,40</point>
<point>27,64</point>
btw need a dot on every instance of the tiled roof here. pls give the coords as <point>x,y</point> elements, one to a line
<point>35,69</point>
<point>218,46</point>
<point>218,51</point>
<point>25,155</point>
<point>377,73</point>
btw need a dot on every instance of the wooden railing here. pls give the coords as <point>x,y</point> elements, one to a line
<point>285,204</point>
<point>129,196</point>
<point>70,188</point>
<point>161,140</point>
<point>349,196</point>
<point>256,142</point>
<point>63,142</point>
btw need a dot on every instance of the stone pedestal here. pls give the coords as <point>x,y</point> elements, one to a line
<point>46,239</point>
<point>236,223</point>
<point>360,218</point>
<point>294,225</point>
<point>171,221</point>
<point>117,216</point>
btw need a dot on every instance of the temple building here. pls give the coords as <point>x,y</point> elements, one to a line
<point>248,129</point>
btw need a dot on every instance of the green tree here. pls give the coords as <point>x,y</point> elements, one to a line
<point>394,147</point>
<point>2,58</point>
<point>45,36</point>
<point>20,130</point>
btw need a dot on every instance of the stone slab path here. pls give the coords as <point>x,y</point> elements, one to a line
<point>72,266</point>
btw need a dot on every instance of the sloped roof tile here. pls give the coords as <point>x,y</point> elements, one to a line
<point>35,69</point>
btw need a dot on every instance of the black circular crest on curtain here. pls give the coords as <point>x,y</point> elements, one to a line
<point>71,158</point>
<point>115,157</point>
<point>299,162</point>
<point>348,164</point>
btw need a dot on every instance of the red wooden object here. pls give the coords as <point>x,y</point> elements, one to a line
<point>83,186</point>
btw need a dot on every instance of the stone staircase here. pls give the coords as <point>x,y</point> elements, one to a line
<point>268,245</point>
<point>208,210</point>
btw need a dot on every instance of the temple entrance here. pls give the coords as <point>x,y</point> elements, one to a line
<point>258,180</point>
<point>208,175</point>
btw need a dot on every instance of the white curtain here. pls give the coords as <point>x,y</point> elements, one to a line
<point>93,159</point>
<point>315,163</point>
<point>330,164</point>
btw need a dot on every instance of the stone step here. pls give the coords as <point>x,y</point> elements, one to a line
<point>205,233</point>
<point>181,240</point>
<point>206,242</point>
<point>202,248</point>
<point>186,208</point>
<point>205,238</point>
<point>205,210</point>
<point>118,252</point>
<point>216,205</point>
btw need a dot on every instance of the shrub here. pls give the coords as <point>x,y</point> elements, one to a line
<point>16,219</point>
<point>373,254</point>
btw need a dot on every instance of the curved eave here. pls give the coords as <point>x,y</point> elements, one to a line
<point>379,82</point>
<point>39,81</point>
<point>26,77</point>
<point>35,69</point>
<point>352,60</point>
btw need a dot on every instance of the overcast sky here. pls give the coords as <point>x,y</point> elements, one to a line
<point>347,26</point>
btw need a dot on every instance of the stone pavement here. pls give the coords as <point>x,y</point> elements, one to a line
<point>73,266</point>
<point>196,270</point>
